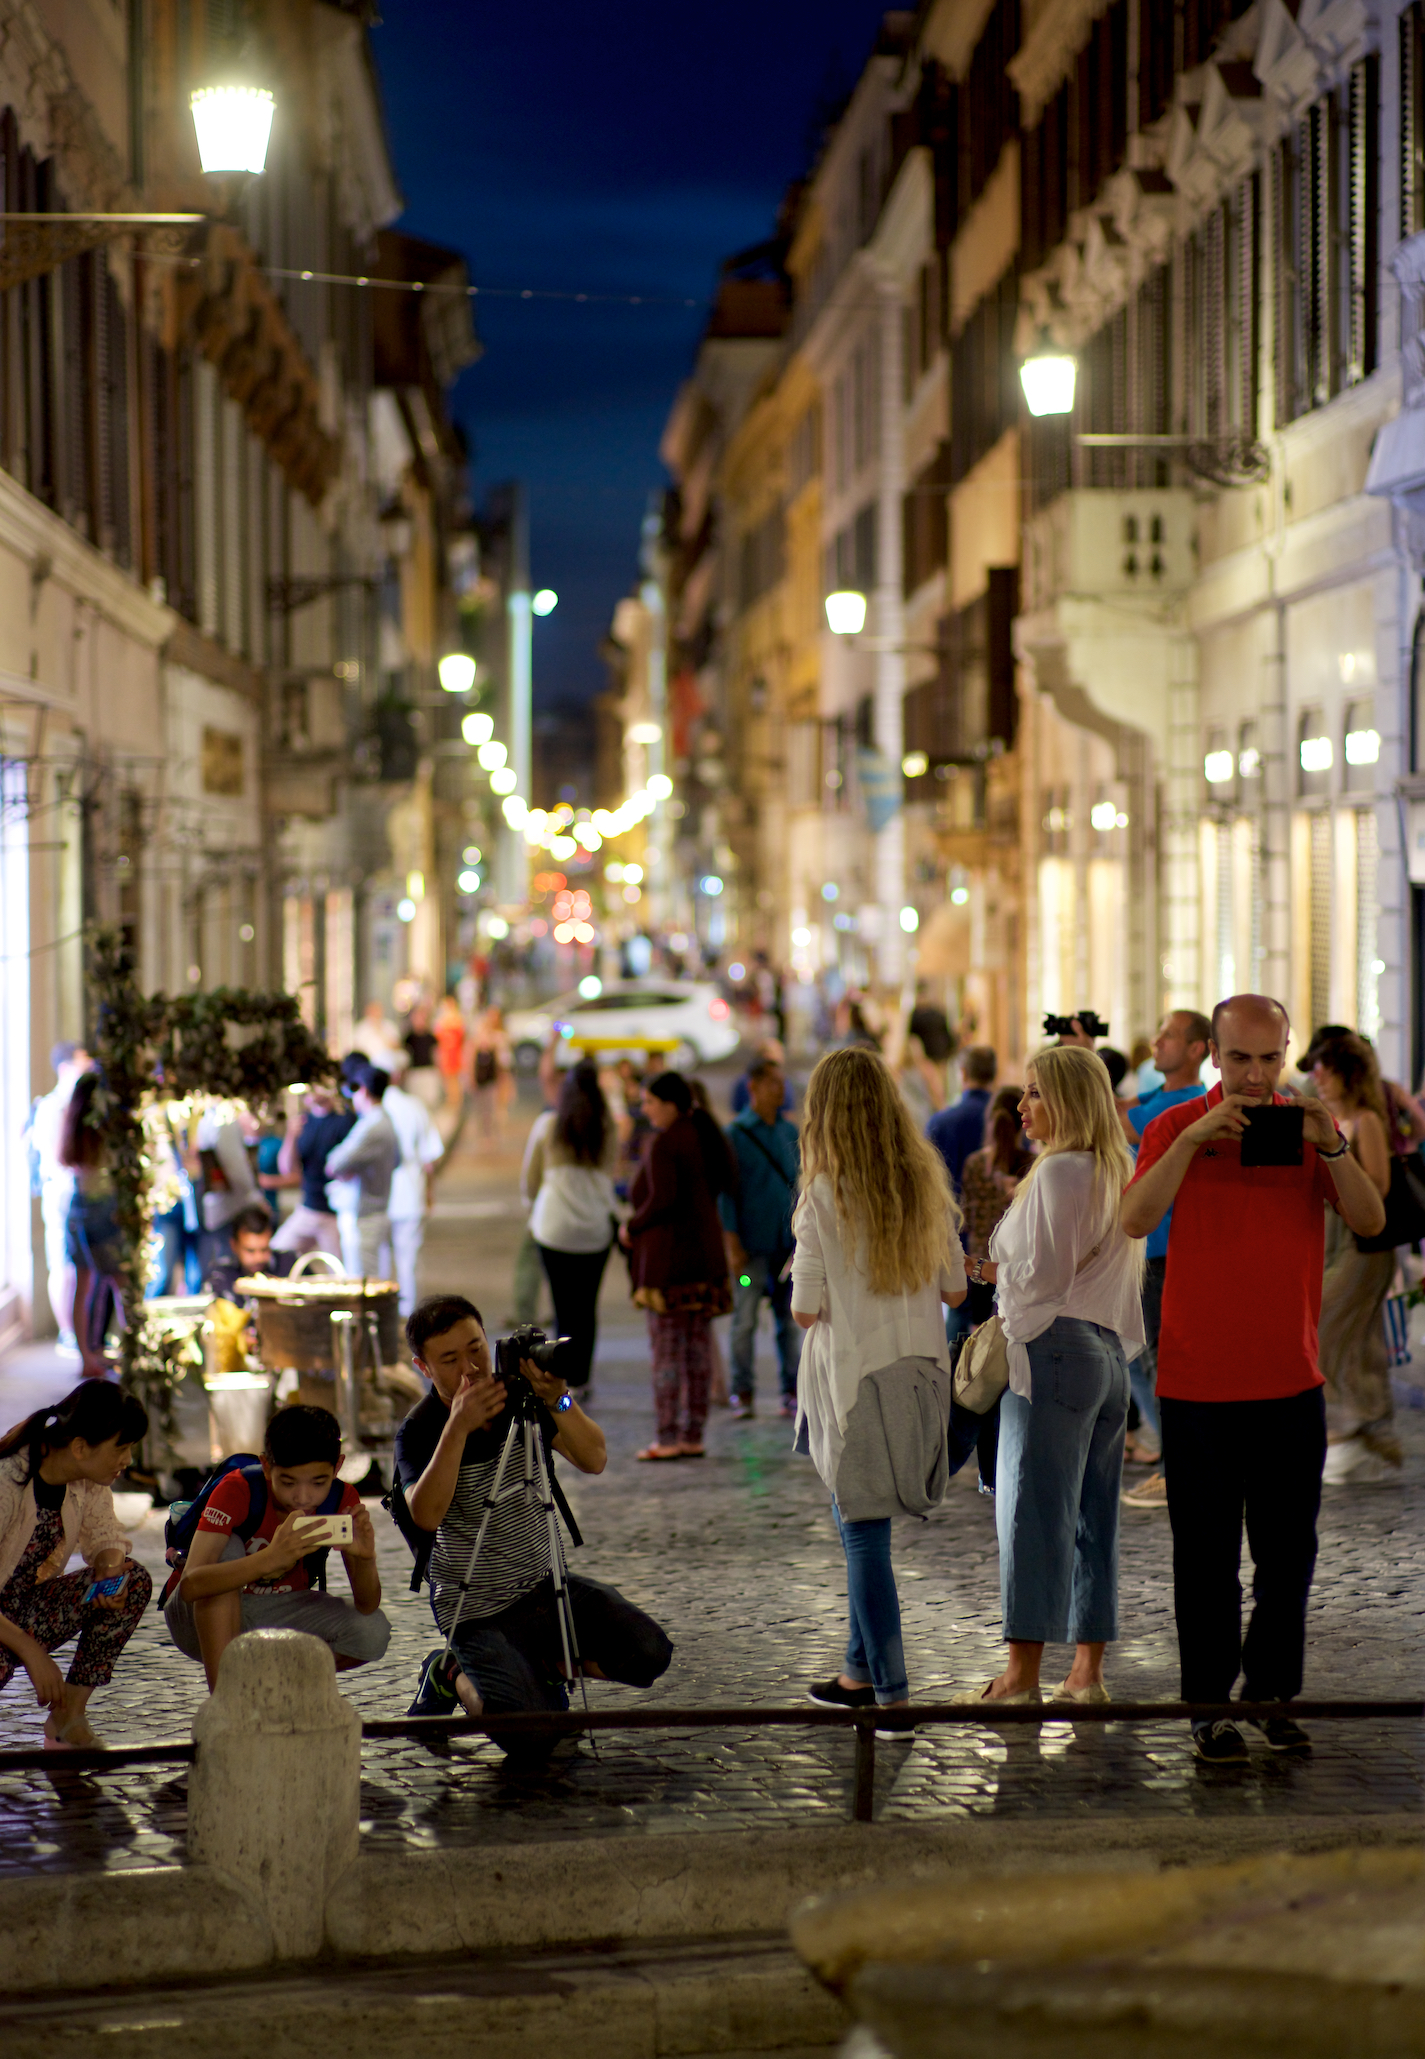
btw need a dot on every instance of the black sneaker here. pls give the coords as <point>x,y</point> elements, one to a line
<point>435,1691</point>
<point>1282,1734</point>
<point>830,1694</point>
<point>1220,1743</point>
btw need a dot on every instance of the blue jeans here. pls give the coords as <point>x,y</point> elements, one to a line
<point>763,1284</point>
<point>1059,1474</point>
<point>1143,1370</point>
<point>874,1651</point>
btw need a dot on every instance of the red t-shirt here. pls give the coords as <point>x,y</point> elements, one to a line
<point>1242,1290</point>
<point>227,1507</point>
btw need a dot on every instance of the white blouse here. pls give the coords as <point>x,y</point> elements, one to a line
<point>1039,1245</point>
<point>859,1332</point>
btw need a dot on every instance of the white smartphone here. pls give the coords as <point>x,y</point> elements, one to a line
<point>336,1530</point>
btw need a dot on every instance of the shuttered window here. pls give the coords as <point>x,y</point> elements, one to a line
<point>1325,195</point>
<point>1412,119</point>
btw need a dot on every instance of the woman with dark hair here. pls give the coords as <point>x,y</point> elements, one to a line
<point>678,1260</point>
<point>1361,1443</point>
<point>567,1180</point>
<point>56,1470</point>
<point>989,1181</point>
<point>92,1241</point>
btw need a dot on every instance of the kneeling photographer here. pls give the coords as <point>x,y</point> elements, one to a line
<point>501,1617</point>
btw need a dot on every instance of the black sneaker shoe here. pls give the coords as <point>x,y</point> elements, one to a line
<point>1220,1743</point>
<point>1282,1734</point>
<point>435,1691</point>
<point>830,1694</point>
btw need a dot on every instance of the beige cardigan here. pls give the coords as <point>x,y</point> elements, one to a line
<point>90,1525</point>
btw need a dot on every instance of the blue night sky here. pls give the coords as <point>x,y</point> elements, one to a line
<point>601,149</point>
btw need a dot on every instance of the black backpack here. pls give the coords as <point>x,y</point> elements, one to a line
<point>184,1517</point>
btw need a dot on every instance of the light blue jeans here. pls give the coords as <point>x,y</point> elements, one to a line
<point>874,1652</point>
<point>1058,1480</point>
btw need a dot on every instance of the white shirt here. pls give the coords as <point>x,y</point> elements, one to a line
<point>420,1144</point>
<point>45,1126</point>
<point>859,1331</point>
<point>574,1206</point>
<point>1039,1245</point>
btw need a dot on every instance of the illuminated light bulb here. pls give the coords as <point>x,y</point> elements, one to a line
<point>406,911</point>
<point>800,939</point>
<point>660,786</point>
<point>492,756</point>
<point>915,764</point>
<point>633,874</point>
<point>457,672</point>
<point>1104,815</point>
<point>415,886</point>
<point>516,813</point>
<point>563,846</point>
<point>469,882</point>
<point>1048,380</point>
<point>645,733</point>
<point>846,612</point>
<point>545,601</point>
<point>233,125</point>
<point>503,782</point>
<point>1316,754</point>
<point>477,729</point>
<point>910,920</point>
<point>1216,770</point>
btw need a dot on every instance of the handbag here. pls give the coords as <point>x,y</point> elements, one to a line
<point>982,1369</point>
<point>1404,1205</point>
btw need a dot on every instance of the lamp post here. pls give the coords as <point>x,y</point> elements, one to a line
<point>1048,377</point>
<point>233,120</point>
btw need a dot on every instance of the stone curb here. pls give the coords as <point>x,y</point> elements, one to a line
<point>149,1926</point>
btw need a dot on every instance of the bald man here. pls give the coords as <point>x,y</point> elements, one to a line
<point>1239,1388</point>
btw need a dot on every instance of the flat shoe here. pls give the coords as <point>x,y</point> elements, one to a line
<point>1011,1700</point>
<point>76,1735</point>
<point>1094,1693</point>
<point>691,1451</point>
<point>663,1452</point>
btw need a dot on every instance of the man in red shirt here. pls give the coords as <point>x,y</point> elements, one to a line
<point>1239,1388</point>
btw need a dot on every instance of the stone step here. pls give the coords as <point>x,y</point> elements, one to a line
<point>738,1998</point>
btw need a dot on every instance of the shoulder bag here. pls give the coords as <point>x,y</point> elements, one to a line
<point>982,1369</point>
<point>1404,1205</point>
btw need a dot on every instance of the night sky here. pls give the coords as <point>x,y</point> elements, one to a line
<point>603,149</point>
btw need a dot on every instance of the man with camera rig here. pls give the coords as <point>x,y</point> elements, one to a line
<point>507,1643</point>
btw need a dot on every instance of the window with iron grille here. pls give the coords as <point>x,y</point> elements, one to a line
<point>1320,938</point>
<point>984,377</point>
<point>1412,119</point>
<point>1367,916</point>
<point>1325,203</point>
<point>989,105</point>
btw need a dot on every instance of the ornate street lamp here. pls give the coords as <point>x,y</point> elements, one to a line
<point>1048,381</point>
<point>234,122</point>
<point>846,612</point>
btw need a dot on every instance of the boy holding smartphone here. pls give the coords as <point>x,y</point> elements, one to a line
<point>247,1568</point>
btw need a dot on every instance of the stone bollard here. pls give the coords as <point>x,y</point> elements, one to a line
<point>274,1795</point>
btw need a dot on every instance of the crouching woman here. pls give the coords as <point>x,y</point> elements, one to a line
<point>56,1472</point>
<point>878,1252</point>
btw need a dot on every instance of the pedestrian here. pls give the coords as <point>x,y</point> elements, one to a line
<point>422,1074</point>
<point>359,1172</point>
<point>852,1030</point>
<point>1068,1284</point>
<point>226,1166</point>
<point>449,1032</point>
<point>94,1246</point>
<point>877,1255</point>
<point>757,1218</point>
<point>931,1024</point>
<point>741,1096</point>
<point>316,1124</point>
<point>412,1188</point>
<point>54,1182</point>
<point>491,1067</point>
<point>567,1182</point>
<point>958,1130</point>
<point>989,1181</point>
<point>1178,1052</point>
<point>56,1472</point>
<point>1361,1444</point>
<point>1239,1385</point>
<point>677,1260</point>
<point>378,1040</point>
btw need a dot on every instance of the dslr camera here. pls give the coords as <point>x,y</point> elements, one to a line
<point>1063,1025</point>
<point>527,1342</point>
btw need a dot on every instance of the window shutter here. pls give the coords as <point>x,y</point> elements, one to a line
<point>1364,213</point>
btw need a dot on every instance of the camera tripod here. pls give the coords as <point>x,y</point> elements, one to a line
<point>539,1481</point>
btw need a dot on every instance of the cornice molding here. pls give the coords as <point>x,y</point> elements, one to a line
<point>54,116</point>
<point>1044,58</point>
<point>42,539</point>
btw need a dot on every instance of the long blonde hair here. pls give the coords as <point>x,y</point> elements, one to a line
<point>1077,1094</point>
<point>893,1201</point>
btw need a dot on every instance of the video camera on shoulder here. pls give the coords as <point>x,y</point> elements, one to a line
<point>531,1343</point>
<point>1083,1018</point>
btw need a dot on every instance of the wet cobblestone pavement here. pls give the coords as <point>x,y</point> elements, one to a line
<point>738,1558</point>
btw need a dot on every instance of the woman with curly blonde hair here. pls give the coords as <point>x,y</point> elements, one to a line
<point>878,1251</point>
<point>1069,1287</point>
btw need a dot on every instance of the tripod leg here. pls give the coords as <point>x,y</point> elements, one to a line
<point>490,1499</point>
<point>563,1605</point>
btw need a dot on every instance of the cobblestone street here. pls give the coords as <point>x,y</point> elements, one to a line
<point>738,1558</point>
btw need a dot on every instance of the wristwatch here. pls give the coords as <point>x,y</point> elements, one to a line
<point>564,1403</point>
<point>1341,1149</point>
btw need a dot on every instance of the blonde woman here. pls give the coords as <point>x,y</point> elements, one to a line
<point>1068,1285</point>
<point>877,1253</point>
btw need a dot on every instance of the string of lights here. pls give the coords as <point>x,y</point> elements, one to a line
<point>307,275</point>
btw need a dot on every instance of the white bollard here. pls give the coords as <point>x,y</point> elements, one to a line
<point>274,1795</point>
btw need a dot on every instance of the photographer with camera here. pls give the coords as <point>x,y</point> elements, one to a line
<point>502,1610</point>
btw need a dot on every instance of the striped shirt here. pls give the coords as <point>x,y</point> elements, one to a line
<point>515,1555</point>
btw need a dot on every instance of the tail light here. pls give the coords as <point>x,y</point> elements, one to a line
<point>718,1008</point>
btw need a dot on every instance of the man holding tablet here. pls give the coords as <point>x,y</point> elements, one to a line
<point>1239,1388</point>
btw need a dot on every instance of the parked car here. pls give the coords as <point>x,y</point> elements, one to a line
<point>686,1024</point>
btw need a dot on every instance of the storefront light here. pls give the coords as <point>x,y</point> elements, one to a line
<point>915,764</point>
<point>1362,746</point>
<point>645,733</point>
<point>1216,770</point>
<point>1103,815</point>
<point>1316,754</point>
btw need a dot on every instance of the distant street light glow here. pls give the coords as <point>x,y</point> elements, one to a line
<point>910,921</point>
<point>846,612</point>
<point>1048,380</point>
<point>469,882</point>
<point>477,729</point>
<point>915,764</point>
<point>492,755</point>
<point>503,782</point>
<point>545,601</point>
<point>591,986</point>
<point>709,884</point>
<point>1217,768</point>
<point>660,786</point>
<point>645,733</point>
<point>233,125</point>
<point>406,910</point>
<point>457,672</point>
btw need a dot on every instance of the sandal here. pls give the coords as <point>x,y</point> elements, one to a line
<point>691,1451</point>
<point>661,1451</point>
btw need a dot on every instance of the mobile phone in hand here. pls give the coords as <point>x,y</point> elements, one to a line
<point>335,1530</point>
<point>1273,1135</point>
<point>106,1589</point>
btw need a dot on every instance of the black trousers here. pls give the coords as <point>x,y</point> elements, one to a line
<point>1226,1462</point>
<point>574,1280</point>
<point>514,1658</point>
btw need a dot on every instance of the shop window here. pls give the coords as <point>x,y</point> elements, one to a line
<point>1361,748</point>
<point>1315,755</point>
